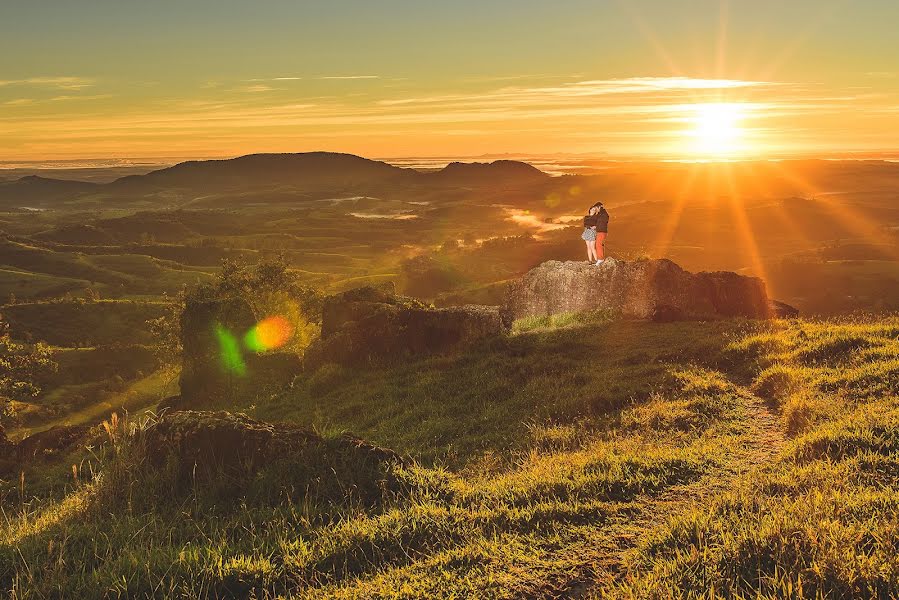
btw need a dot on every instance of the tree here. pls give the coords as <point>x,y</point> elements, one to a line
<point>166,331</point>
<point>22,367</point>
<point>272,289</point>
<point>264,285</point>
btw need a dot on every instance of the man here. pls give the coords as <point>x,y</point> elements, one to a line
<point>602,229</point>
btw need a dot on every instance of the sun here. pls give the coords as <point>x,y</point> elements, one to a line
<point>717,130</point>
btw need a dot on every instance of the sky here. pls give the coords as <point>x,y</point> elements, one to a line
<point>673,79</point>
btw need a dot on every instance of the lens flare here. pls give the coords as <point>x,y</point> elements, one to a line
<point>229,351</point>
<point>269,334</point>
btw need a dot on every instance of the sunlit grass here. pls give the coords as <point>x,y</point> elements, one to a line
<point>532,450</point>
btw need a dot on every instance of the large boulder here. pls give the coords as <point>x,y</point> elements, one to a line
<point>370,325</point>
<point>217,367</point>
<point>643,289</point>
<point>235,450</point>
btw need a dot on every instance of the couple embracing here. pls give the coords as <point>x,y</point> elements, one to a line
<point>596,226</point>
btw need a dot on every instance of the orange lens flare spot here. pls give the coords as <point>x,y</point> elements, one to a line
<point>269,334</point>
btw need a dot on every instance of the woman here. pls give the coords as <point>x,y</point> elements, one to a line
<point>589,235</point>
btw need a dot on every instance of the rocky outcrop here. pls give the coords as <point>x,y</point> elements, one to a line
<point>232,448</point>
<point>644,289</point>
<point>7,450</point>
<point>52,441</point>
<point>370,325</point>
<point>44,445</point>
<point>782,310</point>
<point>216,366</point>
<point>5,443</point>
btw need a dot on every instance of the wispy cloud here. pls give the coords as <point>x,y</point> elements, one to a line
<point>65,97</point>
<point>275,79</point>
<point>489,78</point>
<point>258,88</point>
<point>592,87</point>
<point>65,83</point>
<point>650,111</point>
<point>351,77</point>
<point>60,98</point>
<point>620,103</point>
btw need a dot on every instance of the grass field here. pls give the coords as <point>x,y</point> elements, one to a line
<point>73,323</point>
<point>607,459</point>
<point>135,397</point>
<point>26,285</point>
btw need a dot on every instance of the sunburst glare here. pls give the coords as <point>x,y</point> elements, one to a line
<point>717,129</point>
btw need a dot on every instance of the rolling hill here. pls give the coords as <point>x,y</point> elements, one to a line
<point>728,458</point>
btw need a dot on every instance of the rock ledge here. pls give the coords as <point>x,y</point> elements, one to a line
<point>641,289</point>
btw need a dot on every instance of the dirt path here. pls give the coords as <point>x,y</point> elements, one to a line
<point>763,440</point>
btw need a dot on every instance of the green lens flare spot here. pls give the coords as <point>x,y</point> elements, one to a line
<point>229,352</point>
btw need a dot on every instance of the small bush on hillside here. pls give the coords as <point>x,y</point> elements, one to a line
<point>166,331</point>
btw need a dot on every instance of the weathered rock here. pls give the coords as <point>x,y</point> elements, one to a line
<point>203,372</point>
<point>171,404</point>
<point>782,310</point>
<point>665,313</point>
<point>216,366</point>
<point>202,446</point>
<point>51,442</point>
<point>368,325</point>
<point>635,289</point>
<point>5,443</point>
<point>40,446</point>
<point>7,451</point>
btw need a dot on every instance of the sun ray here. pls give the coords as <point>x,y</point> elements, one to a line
<point>662,243</point>
<point>857,223</point>
<point>721,51</point>
<point>744,227</point>
<point>650,36</point>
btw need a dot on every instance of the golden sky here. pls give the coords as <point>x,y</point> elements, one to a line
<point>665,79</point>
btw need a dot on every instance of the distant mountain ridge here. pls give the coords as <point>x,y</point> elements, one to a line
<point>309,168</point>
<point>498,168</point>
<point>34,189</point>
<point>306,172</point>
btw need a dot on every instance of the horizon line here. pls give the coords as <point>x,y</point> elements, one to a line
<point>109,162</point>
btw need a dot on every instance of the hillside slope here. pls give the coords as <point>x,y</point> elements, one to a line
<point>602,459</point>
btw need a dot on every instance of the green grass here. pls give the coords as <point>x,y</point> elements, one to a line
<point>88,403</point>
<point>561,320</point>
<point>451,408</point>
<point>822,521</point>
<point>115,275</point>
<point>607,459</point>
<point>25,285</point>
<point>75,323</point>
